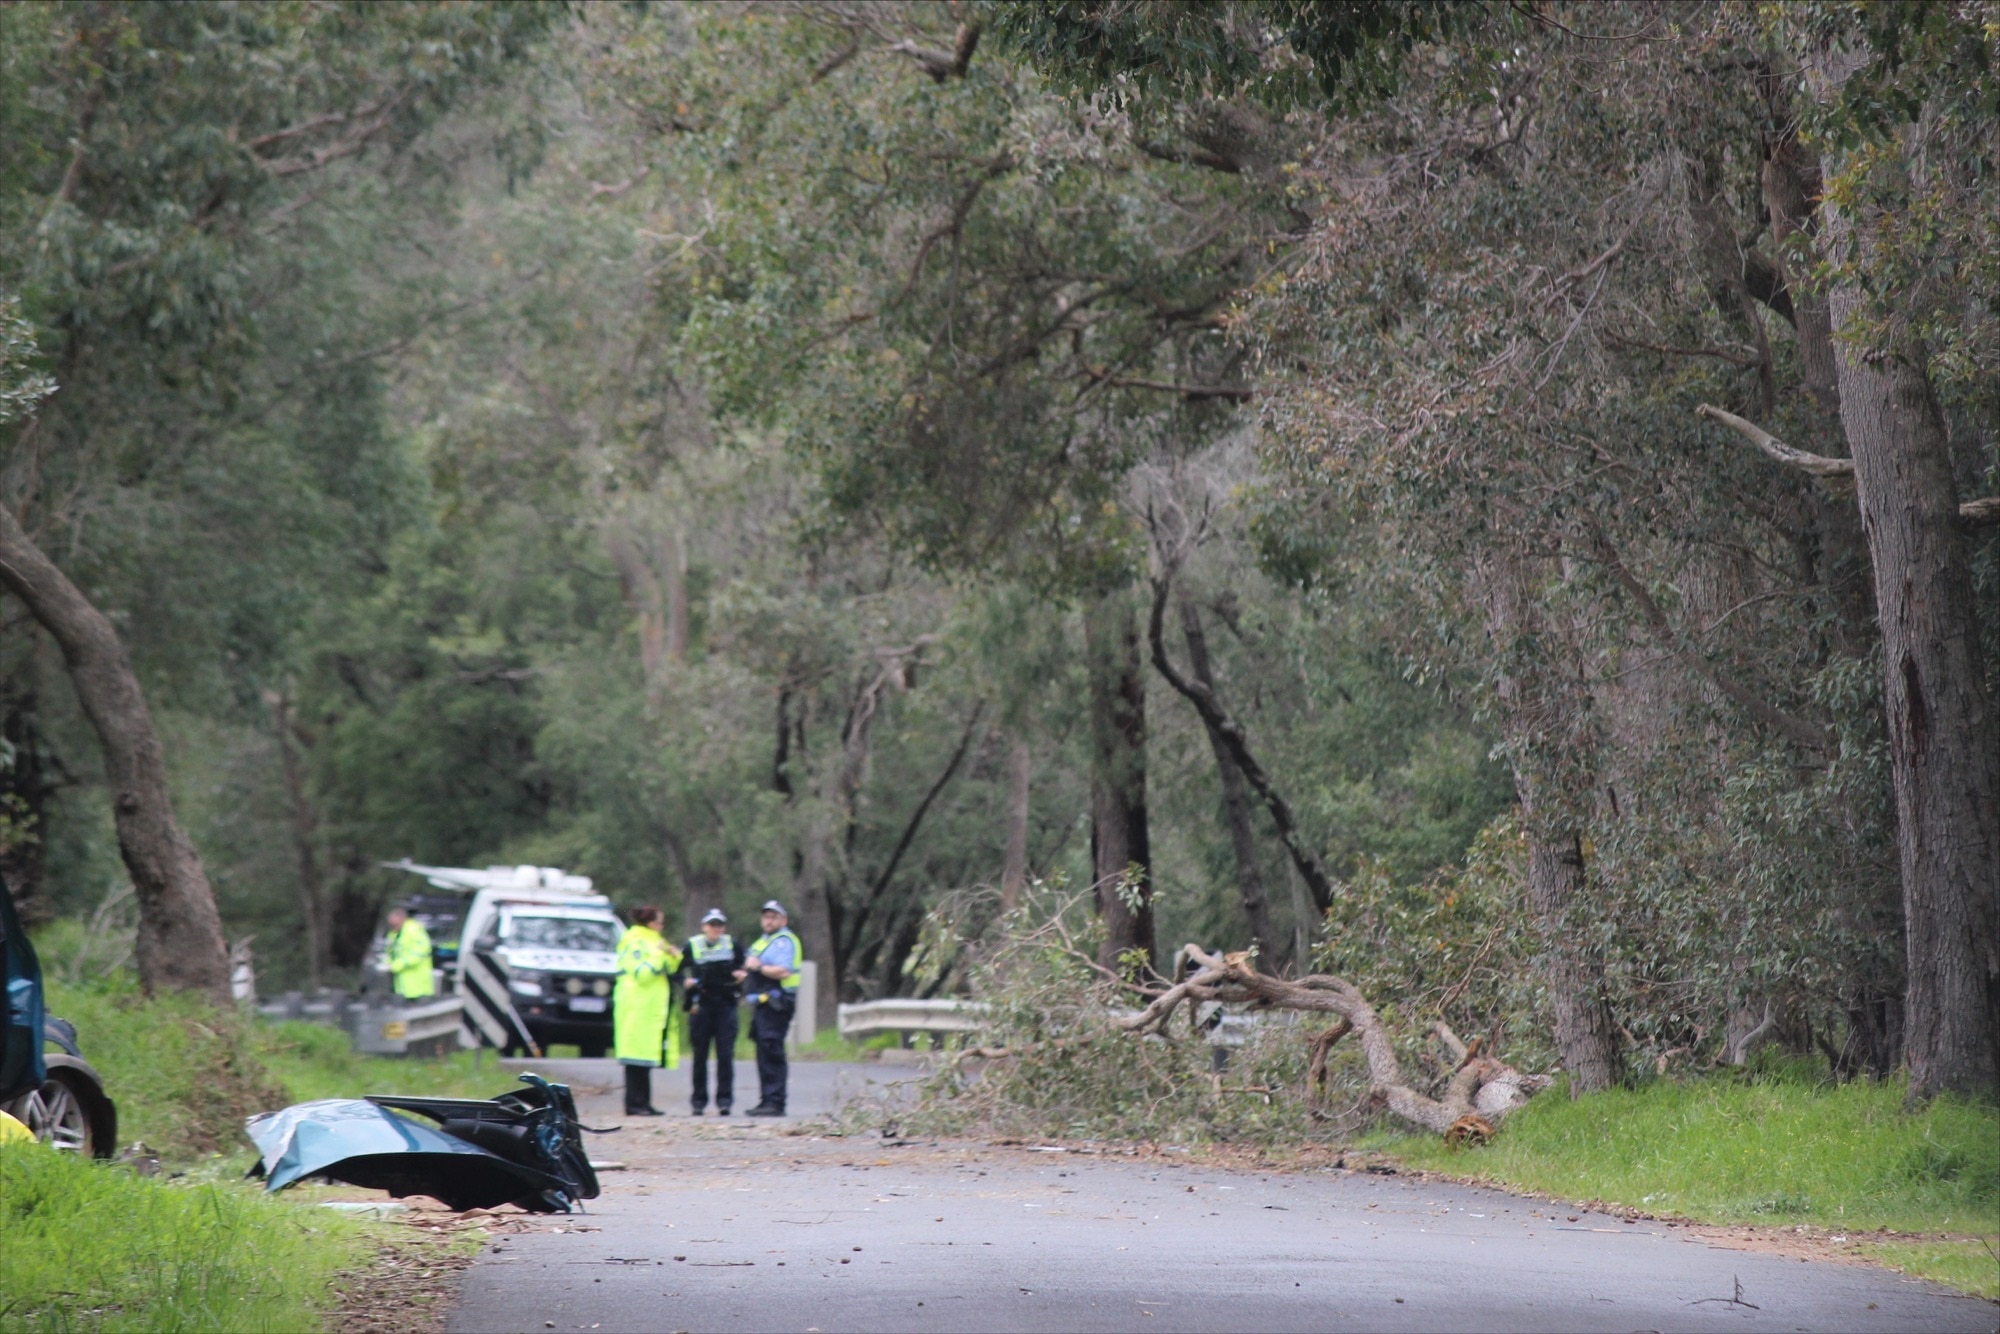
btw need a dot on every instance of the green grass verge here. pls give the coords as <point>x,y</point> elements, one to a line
<point>93,1247</point>
<point>185,1074</point>
<point>1776,1148</point>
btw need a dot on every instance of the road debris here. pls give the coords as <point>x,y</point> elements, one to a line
<point>523,1147</point>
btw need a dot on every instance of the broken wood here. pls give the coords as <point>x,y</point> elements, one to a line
<point>1481,1092</point>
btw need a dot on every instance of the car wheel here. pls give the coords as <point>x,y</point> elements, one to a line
<point>591,1049</point>
<point>63,1116</point>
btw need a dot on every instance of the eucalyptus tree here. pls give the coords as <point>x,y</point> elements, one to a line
<point>1528,272</point>
<point>1900,104</point>
<point>1557,273</point>
<point>161,159</point>
<point>972,305</point>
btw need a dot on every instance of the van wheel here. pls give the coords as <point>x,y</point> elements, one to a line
<point>590,1049</point>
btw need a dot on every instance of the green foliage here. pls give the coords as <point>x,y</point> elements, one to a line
<point>21,386</point>
<point>1450,947</point>
<point>94,1247</point>
<point>1279,51</point>
<point>995,279</point>
<point>1051,1061</point>
<point>185,1075</point>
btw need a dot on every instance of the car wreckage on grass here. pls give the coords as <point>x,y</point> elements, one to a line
<point>523,1147</point>
<point>55,1094</point>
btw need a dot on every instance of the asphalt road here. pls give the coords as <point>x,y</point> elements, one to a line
<point>739,1225</point>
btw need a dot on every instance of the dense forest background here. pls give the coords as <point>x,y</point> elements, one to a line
<point>1493,500</point>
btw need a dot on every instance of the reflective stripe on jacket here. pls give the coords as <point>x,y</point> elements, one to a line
<point>640,1000</point>
<point>410,961</point>
<point>791,983</point>
<point>711,968</point>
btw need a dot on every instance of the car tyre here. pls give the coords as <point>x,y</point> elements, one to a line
<point>70,1114</point>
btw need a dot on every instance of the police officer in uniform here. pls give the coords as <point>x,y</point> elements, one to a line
<point>708,975</point>
<point>770,974</point>
<point>409,949</point>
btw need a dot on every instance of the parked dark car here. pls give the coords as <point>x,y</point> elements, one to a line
<point>55,1094</point>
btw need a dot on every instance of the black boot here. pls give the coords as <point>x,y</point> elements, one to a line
<point>639,1091</point>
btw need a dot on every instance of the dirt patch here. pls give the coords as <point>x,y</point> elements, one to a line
<point>409,1284</point>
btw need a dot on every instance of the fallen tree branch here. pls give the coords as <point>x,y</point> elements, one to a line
<point>1482,1088</point>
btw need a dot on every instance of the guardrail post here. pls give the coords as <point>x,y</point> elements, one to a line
<point>805,1022</point>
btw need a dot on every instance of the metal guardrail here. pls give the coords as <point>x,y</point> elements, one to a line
<point>428,1028</point>
<point>910,1016</point>
<point>377,1025</point>
<point>1224,1027</point>
<point>325,1008</point>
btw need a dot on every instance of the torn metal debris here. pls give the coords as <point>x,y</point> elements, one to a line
<point>522,1147</point>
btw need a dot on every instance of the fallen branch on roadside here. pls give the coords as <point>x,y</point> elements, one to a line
<point>1480,1093</point>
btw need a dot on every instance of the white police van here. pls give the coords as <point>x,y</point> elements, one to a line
<point>535,958</point>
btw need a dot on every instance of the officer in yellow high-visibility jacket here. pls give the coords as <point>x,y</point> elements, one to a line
<point>410,957</point>
<point>641,1006</point>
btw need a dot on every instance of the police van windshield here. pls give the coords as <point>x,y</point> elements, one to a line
<point>563,933</point>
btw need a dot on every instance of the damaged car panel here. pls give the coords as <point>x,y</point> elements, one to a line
<point>522,1147</point>
<point>535,1125</point>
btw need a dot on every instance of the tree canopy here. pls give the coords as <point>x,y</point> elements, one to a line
<point>1361,482</point>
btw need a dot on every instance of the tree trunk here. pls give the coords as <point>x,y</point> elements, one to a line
<point>1014,870</point>
<point>180,945</point>
<point>1944,744</point>
<point>1557,886</point>
<point>701,888</point>
<point>1585,1035</point>
<point>1235,800</point>
<point>1227,735</point>
<point>1303,918</point>
<point>305,833</point>
<point>810,912</point>
<point>831,821</point>
<point>675,649</point>
<point>1791,192</point>
<point>640,584</point>
<point>26,785</point>
<point>1121,855</point>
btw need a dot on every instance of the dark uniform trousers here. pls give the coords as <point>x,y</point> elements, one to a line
<point>769,1022</point>
<point>713,1023</point>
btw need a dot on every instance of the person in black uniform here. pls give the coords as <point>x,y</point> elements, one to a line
<point>708,974</point>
